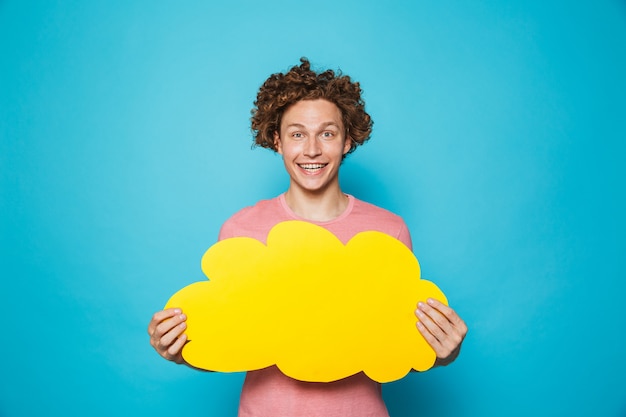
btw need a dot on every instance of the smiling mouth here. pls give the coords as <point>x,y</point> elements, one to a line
<point>312,167</point>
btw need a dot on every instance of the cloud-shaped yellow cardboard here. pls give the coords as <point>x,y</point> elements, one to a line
<point>316,308</point>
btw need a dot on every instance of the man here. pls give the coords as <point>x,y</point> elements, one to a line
<point>314,120</point>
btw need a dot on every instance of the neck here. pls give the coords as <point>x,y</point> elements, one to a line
<point>323,206</point>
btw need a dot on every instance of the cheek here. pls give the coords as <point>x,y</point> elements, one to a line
<point>289,148</point>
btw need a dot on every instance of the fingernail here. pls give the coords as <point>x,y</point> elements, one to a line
<point>419,313</point>
<point>420,304</point>
<point>431,301</point>
<point>177,311</point>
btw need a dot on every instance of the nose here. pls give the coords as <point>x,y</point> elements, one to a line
<point>312,147</point>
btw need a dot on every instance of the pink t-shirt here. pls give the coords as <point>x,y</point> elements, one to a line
<point>270,393</point>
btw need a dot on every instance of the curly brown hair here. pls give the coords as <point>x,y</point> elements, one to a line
<point>280,91</point>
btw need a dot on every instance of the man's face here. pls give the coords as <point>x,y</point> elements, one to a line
<point>312,142</point>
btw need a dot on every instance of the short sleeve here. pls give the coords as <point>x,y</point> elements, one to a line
<point>228,230</point>
<point>404,236</point>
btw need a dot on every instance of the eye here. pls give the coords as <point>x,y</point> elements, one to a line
<point>297,135</point>
<point>328,134</point>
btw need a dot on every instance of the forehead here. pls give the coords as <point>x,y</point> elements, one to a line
<point>312,114</point>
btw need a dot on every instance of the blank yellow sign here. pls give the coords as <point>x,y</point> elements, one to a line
<point>316,308</point>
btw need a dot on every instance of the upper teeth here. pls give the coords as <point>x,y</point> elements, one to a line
<point>312,166</point>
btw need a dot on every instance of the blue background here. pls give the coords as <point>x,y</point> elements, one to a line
<point>500,132</point>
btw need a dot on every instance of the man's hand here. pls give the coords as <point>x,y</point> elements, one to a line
<point>442,328</point>
<point>167,334</point>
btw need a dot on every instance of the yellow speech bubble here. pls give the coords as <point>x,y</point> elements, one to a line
<point>318,309</point>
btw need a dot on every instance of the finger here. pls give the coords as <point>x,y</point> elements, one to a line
<point>175,349</point>
<point>448,337</point>
<point>169,330</point>
<point>437,304</point>
<point>159,316</point>
<point>444,309</point>
<point>441,350</point>
<point>429,337</point>
<point>435,315</point>
<point>442,343</point>
<point>169,339</point>
<point>162,329</point>
<point>441,327</point>
<point>451,315</point>
<point>426,319</point>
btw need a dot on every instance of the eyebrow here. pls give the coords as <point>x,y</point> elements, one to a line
<point>323,125</point>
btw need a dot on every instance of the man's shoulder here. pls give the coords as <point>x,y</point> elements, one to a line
<point>364,208</point>
<point>260,208</point>
<point>252,221</point>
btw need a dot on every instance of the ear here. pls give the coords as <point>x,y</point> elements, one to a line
<point>347,144</point>
<point>277,143</point>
